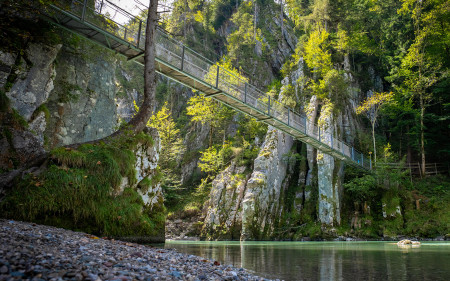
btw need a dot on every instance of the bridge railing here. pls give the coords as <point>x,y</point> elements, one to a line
<point>105,15</point>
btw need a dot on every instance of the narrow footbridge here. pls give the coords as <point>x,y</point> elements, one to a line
<point>98,22</point>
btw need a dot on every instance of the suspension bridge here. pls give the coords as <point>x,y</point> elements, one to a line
<point>96,22</point>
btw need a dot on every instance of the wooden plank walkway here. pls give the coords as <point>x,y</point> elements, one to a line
<point>185,66</point>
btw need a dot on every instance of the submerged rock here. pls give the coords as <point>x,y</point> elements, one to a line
<point>407,242</point>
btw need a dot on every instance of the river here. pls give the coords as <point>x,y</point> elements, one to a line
<point>328,260</point>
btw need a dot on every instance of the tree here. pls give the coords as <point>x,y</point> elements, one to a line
<point>208,111</point>
<point>171,149</point>
<point>139,121</point>
<point>421,67</point>
<point>317,56</point>
<point>171,142</point>
<point>371,107</point>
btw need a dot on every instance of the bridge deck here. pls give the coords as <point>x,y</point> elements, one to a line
<point>187,67</point>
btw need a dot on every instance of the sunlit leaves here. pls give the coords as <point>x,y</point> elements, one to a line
<point>317,55</point>
<point>374,102</point>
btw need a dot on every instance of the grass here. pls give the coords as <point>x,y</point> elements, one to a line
<point>78,188</point>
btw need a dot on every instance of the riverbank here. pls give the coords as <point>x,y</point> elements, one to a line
<point>38,252</point>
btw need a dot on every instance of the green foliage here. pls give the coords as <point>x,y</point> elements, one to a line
<point>213,159</point>
<point>242,42</point>
<point>171,149</point>
<point>222,10</point>
<point>362,189</point>
<point>171,142</point>
<point>317,56</point>
<point>18,119</point>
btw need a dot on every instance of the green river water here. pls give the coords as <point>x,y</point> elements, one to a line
<point>328,260</point>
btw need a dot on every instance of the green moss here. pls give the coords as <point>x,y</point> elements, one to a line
<point>145,184</point>
<point>42,108</point>
<point>75,191</point>
<point>18,119</point>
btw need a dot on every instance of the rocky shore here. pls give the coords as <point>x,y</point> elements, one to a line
<point>37,252</point>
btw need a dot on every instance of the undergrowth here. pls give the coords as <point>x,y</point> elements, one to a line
<point>78,191</point>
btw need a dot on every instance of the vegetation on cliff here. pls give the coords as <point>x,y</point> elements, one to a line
<point>81,189</point>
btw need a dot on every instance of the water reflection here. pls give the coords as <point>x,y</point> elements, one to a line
<point>329,260</point>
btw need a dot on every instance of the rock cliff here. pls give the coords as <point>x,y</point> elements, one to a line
<point>65,93</point>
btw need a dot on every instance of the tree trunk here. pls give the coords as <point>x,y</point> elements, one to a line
<point>374,144</point>
<point>408,146</point>
<point>139,121</point>
<point>422,134</point>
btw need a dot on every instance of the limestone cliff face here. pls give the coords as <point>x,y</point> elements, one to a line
<point>248,206</point>
<point>82,106</point>
<point>224,208</point>
<point>64,94</point>
<point>330,171</point>
<point>33,73</point>
<point>261,206</point>
<point>35,76</point>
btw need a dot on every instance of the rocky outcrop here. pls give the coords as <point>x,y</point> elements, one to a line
<point>148,185</point>
<point>311,153</point>
<point>35,73</point>
<point>261,206</point>
<point>284,47</point>
<point>64,94</point>
<point>330,171</point>
<point>7,61</point>
<point>224,208</point>
<point>82,105</point>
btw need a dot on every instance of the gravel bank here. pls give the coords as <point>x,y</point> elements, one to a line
<point>38,252</point>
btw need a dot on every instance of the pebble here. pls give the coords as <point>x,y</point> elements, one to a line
<point>39,252</point>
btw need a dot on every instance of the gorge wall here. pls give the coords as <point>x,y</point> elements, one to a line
<point>58,90</point>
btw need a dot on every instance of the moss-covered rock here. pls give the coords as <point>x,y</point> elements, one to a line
<point>83,189</point>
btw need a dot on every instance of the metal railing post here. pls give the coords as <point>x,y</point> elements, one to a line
<point>289,110</point>
<point>245,93</point>
<point>83,13</point>
<point>182,59</point>
<point>217,77</point>
<point>139,34</point>
<point>125,34</point>
<point>101,7</point>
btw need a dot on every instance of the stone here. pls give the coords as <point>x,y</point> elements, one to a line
<point>6,63</point>
<point>35,81</point>
<point>225,200</point>
<point>83,99</point>
<point>262,194</point>
<point>4,269</point>
<point>330,170</point>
